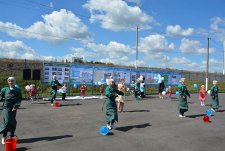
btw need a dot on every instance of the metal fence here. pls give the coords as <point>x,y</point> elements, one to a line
<point>200,76</point>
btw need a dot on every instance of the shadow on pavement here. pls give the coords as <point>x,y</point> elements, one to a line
<point>191,102</point>
<point>151,96</point>
<point>40,103</point>
<point>70,104</point>
<point>110,133</point>
<point>22,149</point>
<point>50,138</point>
<point>174,99</point>
<point>194,116</point>
<point>19,108</point>
<point>138,111</point>
<point>220,111</point>
<point>127,128</point>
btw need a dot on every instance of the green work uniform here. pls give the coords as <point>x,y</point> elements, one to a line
<point>183,105</point>
<point>111,107</point>
<point>215,97</point>
<point>137,91</point>
<point>53,90</point>
<point>11,98</point>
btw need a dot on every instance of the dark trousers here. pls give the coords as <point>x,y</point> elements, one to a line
<point>182,111</point>
<point>11,133</point>
<point>63,96</point>
<point>53,95</point>
<point>111,123</point>
<point>142,94</point>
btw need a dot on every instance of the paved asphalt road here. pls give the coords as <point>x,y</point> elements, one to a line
<point>148,125</point>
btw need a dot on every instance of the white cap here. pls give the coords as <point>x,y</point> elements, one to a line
<point>109,81</point>
<point>214,82</point>
<point>12,79</point>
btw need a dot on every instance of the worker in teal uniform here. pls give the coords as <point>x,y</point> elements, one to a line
<point>11,97</point>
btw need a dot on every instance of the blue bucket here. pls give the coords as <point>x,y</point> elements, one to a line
<point>208,112</point>
<point>104,130</point>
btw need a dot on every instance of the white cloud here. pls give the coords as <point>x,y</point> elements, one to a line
<point>218,28</point>
<point>81,52</point>
<point>116,15</point>
<point>158,56</point>
<point>213,62</point>
<point>17,50</point>
<point>185,64</point>
<point>217,23</point>
<point>181,60</point>
<point>193,47</point>
<point>124,60</point>
<point>214,65</point>
<point>155,43</point>
<point>58,26</point>
<point>161,60</point>
<point>112,50</point>
<point>178,31</point>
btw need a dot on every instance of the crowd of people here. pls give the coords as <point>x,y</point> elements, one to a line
<point>114,102</point>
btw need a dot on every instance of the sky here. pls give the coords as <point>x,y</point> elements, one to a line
<point>171,33</point>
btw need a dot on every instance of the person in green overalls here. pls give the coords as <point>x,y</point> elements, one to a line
<point>53,90</point>
<point>183,104</point>
<point>215,98</point>
<point>11,97</point>
<point>137,90</point>
<point>111,107</point>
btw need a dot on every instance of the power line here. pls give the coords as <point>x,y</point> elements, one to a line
<point>88,17</point>
<point>54,8</point>
<point>44,5</point>
<point>11,3</point>
<point>76,12</point>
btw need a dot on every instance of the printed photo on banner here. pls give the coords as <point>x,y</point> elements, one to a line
<point>60,70</point>
<point>121,73</point>
<point>79,73</point>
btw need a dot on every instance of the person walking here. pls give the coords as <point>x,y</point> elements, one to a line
<point>11,97</point>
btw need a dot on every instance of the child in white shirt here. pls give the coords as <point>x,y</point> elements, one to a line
<point>64,92</point>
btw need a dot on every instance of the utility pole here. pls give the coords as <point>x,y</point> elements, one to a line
<point>223,57</point>
<point>207,65</point>
<point>136,62</point>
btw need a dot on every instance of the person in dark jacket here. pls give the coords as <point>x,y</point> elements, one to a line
<point>161,88</point>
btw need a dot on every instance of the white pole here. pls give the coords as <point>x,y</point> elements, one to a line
<point>207,65</point>
<point>136,62</point>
